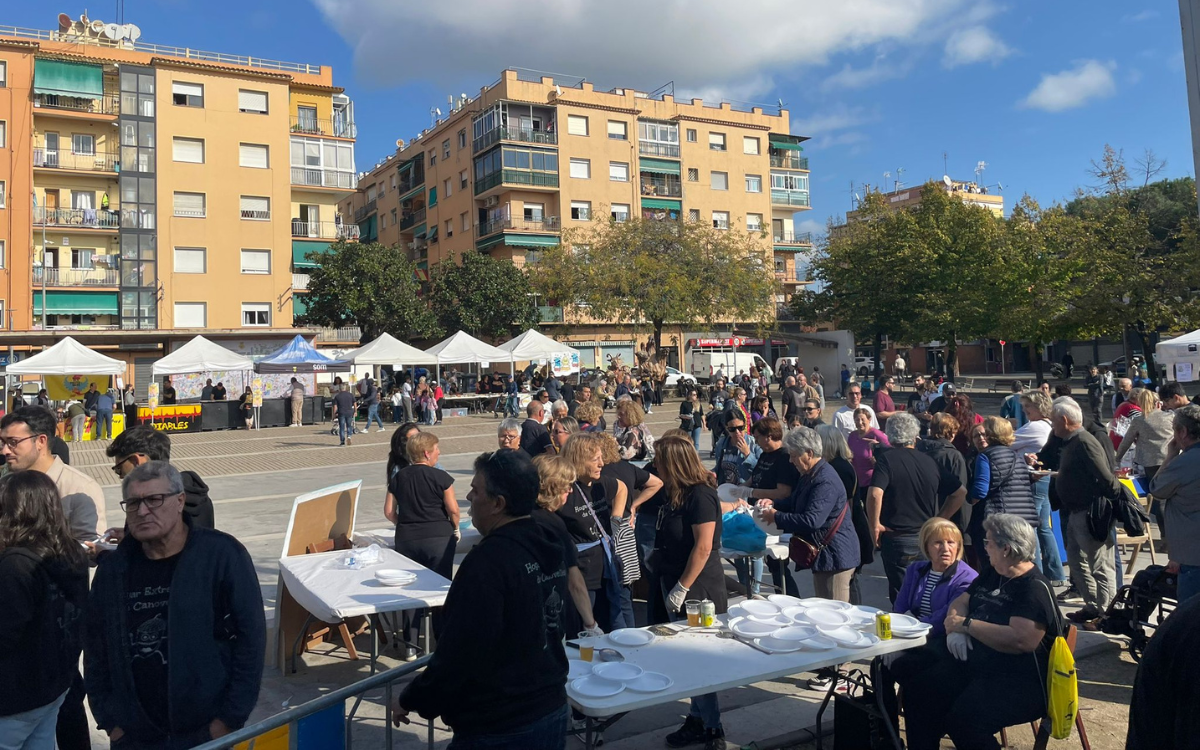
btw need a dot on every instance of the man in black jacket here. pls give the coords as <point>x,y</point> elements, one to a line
<point>143,444</point>
<point>500,670</point>
<point>173,649</point>
<point>535,438</point>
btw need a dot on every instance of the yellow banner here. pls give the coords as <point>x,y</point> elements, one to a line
<point>63,387</point>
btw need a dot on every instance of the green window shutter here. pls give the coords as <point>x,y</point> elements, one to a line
<point>432,197</point>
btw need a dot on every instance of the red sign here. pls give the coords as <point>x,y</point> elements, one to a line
<point>1001,342</point>
<point>738,342</point>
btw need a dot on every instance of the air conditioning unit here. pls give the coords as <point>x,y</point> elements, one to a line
<point>491,200</point>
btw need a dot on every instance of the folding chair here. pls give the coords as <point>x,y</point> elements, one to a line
<point>1041,730</point>
<point>1137,541</point>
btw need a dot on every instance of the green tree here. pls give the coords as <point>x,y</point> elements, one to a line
<point>482,296</point>
<point>645,271</point>
<point>369,285</point>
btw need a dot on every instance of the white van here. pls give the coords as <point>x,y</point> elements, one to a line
<point>706,364</point>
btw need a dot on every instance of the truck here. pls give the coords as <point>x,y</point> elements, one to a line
<point>705,364</point>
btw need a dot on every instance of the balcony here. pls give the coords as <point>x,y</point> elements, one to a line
<point>789,198</point>
<point>790,161</point>
<point>76,218</point>
<point>364,211</point>
<point>299,282</point>
<point>550,314</point>
<point>97,162</point>
<point>661,186</point>
<point>334,128</point>
<point>517,177</point>
<point>326,178</point>
<point>793,238</point>
<point>410,220</point>
<point>654,148</point>
<point>90,277</point>
<point>352,334</point>
<point>540,137</point>
<point>546,224</point>
<point>108,104</point>
<point>324,230</point>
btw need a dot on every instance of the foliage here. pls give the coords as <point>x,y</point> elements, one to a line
<point>369,285</point>
<point>482,296</point>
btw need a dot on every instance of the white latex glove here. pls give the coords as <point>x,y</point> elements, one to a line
<point>742,492</point>
<point>594,630</point>
<point>764,503</point>
<point>458,534</point>
<point>677,597</point>
<point>958,644</point>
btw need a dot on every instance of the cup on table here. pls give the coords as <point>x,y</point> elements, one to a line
<point>586,649</point>
<point>692,607</point>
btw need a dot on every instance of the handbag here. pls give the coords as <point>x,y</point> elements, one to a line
<point>625,551</point>
<point>804,553</point>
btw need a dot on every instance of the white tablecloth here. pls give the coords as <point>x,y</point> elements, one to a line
<point>331,593</point>
<point>387,538</point>
<point>703,663</point>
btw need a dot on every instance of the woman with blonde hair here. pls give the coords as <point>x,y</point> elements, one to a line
<point>556,477</point>
<point>632,435</point>
<point>1001,478</point>
<point>590,416</point>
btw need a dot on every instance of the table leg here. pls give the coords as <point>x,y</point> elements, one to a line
<point>427,631</point>
<point>824,704</point>
<point>387,716</point>
<point>589,738</point>
<point>299,642</point>
<point>879,706</point>
<point>374,647</point>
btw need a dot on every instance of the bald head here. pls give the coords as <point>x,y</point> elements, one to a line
<point>1125,385</point>
<point>790,381</point>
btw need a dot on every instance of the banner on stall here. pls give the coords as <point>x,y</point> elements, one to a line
<point>172,417</point>
<point>1183,372</point>
<point>152,396</point>
<point>565,363</point>
<point>256,388</point>
<point>67,387</point>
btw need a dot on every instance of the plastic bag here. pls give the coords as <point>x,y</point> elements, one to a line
<point>358,558</point>
<point>1062,690</point>
<point>739,532</point>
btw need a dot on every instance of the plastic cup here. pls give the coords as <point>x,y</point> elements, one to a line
<point>586,650</point>
<point>692,607</point>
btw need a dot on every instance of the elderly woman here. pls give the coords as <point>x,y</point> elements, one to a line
<point>1003,626</point>
<point>633,436</point>
<point>557,478</point>
<point>591,417</point>
<point>1000,479</point>
<point>1031,438</point>
<point>561,429</point>
<point>819,512</point>
<point>508,434</point>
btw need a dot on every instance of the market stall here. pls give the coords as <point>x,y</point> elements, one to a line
<point>462,349</point>
<point>534,346</point>
<point>69,368</point>
<point>296,358</point>
<point>1179,357</point>
<point>196,356</point>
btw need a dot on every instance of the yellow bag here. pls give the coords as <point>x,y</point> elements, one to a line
<point>1062,690</point>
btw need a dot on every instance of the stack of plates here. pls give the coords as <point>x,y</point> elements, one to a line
<point>906,626</point>
<point>760,610</point>
<point>394,577</point>
<point>848,637</point>
<point>609,678</point>
<point>783,601</point>
<point>824,619</point>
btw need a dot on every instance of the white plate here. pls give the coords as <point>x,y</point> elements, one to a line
<point>906,622</point>
<point>724,493</point>
<point>748,628</point>
<point>617,671</point>
<point>394,573</point>
<point>577,668</point>
<point>861,616</point>
<point>631,637</point>
<point>778,645</point>
<point>850,638</point>
<point>795,633</point>
<point>912,632</point>
<point>594,687</point>
<point>395,581</point>
<point>737,611</point>
<point>819,603</point>
<point>783,600</point>
<point>760,608</point>
<point>818,643</point>
<point>650,682</point>
<point>827,618</point>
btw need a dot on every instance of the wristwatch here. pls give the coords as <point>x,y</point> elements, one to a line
<point>967,623</point>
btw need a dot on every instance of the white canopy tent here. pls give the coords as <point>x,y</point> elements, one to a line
<point>68,357</point>
<point>201,355</point>
<point>388,350</point>
<point>463,348</point>
<point>533,346</point>
<point>1179,357</point>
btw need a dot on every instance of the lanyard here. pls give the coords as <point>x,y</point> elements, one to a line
<point>604,538</point>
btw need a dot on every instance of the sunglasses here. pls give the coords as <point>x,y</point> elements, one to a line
<point>812,408</point>
<point>735,428</point>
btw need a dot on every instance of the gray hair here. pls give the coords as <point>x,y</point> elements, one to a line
<point>150,471</point>
<point>508,425</point>
<point>1040,401</point>
<point>1187,418</point>
<point>833,442</point>
<point>534,407</point>
<point>559,405</point>
<point>1012,532</point>
<point>800,440</point>
<point>1068,408</point>
<point>902,429</point>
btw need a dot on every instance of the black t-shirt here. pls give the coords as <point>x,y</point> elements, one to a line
<point>1162,709</point>
<point>344,401</point>
<point>535,438</point>
<point>995,599</point>
<point>146,617</point>
<point>219,393</point>
<point>553,522</point>
<point>911,484</point>
<point>773,469</point>
<point>585,528</point>
<point>690,416</point>
<point>674,542</point>
<point>168,395</point>
<point>420,502</point>
<point>938,405</point>
<point>633,477</point>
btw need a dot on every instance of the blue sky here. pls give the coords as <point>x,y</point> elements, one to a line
<point>1035,89</point>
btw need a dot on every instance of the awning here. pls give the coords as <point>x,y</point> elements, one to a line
<point>785,142</point>
<point>518,240</point>
<point>658,166</point>
<point>76,303</point>
<point>299,304</point>
<point>792,248</point>
<point>660,203</point>
<point>301,248</point>
<point>367,230</point>
<point>415,191</point>
<point>68,79</point>
<point>418,231</point>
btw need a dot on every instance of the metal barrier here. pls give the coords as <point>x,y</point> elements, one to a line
<point>292,715</point>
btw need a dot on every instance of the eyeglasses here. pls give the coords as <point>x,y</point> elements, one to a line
<point>510,438</point>
<point>117,466</point>
<point>12,443</point>
<point>153,502</point>
<point>812,408</point>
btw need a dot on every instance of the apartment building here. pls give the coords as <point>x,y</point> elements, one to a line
<point>967,191</point>
<point>150,193</point>
<point>507,171</point>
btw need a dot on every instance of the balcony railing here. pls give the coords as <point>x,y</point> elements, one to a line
<point>789,197</point>
<point>81,218</point>
<point>654,148</point>
<point>107,104</point>
<point>97,162</point>
<point>350,334</point>
<point>656,186</point>
<point>491,137</point>
<point>789,162</point>
<point>37,326</point>
<point>75,276</point>
<point>546,224</point>
<point>550,314</point>
<point>793,238</point>
<point>313,126</point>
<point>318,177</point>
<point>364,211</point>
<point>409,220</point>
<point>299,282</point>
<point>324,230</point>
<point>517,177</point>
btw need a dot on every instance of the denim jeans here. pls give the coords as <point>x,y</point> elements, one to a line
<point>897,551</point>
<point>782,578</point>
<point>398,413</point>
<point>78,427</point>
<point>32,729</point>
<point>1188,582</point>
<point>104,424</point>
<point>373,413</point>
<point>546,733</point>
<point>752,568</point>
<point>644,532</point>
<point>1046,559</point>
<point>696,437</point>
<point>345,426</point>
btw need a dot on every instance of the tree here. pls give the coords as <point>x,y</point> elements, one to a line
<point>646,271</point>
<point>482,296</point>
<point>369,285</point>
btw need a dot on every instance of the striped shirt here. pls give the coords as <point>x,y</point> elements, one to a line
<point>925,608</point>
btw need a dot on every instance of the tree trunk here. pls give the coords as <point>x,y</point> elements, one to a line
<point>1039,365</point>
<point>1096,351</point>
<point>951,357</point>
<point>658,329</point>
<point>1147,352</point>
<point>878,359</point>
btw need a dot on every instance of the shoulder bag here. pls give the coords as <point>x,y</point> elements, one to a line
<point>804,553</point>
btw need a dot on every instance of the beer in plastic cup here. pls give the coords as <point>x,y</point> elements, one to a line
<point>585,649</point>
<point>692,607</point>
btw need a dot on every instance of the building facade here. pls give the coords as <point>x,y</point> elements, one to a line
<point>506,172</point>
<point>150,193</point>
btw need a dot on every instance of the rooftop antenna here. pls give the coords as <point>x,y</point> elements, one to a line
<point>886,176</point>
<point>979,167</point>
<point>899,171</point>
<point>945,163</point>
<point>853,196</point>
<point>434,114</point>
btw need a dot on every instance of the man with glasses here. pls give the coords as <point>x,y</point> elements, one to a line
<point>143,444</point>
<point>843,418</point>
<point>173,652</point>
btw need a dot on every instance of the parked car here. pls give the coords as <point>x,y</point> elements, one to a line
<point>675,378</point>
<point>864,366</point>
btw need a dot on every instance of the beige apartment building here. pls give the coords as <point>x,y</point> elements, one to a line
<point>507,171</point>
<point>150,193</point>
<point>971,193</point>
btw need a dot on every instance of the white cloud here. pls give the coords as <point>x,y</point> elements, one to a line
<point>1088,80</point>
<point>830,120</point>
<point>973,45</point>
<point>710,44</point>
<point>883,69</point>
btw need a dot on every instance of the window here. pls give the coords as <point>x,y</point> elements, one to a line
<point>446,185</point>
<point>462,138</point>
<point>446,150</point>
<point>749,145</point>
<point>185,94</point>
<point>190,205</point>
<point>618,171</point>
<point>256,314</point>
<point>306,120</point>
<point>716,141</point>
<point>620,212</point>
<point>83,144</point>
<point>256,261</point>
<point>253,155</point>
<point>83,199</point>
<point>190,150</point>
<point>432,197</point>
<point>256,207</point>
<point>3,74</point>
<point>753,183</point>
<point>3,263</point>
<point>81,257</point>
<point>581,210</point>
<point>3,133</point>
<point>191,314</point>
<point>433,157</point>
<point>720,219</point>
<point>720,180</point>
<point>466,220</point>
<point>788,181</point>
<point>3,195</point>
<point>393,182</point>
<point>691,135</point>
<point>618,131</point>
<point>693,174</point>
<point>191,260</point>
<point>254,102</point>
<point>462,179</point>
<point>534,211</point>
<point>780,265</point>
<point>394,220</point>
<point>577,125</point>
<point>383,221</point>
<point>581,169</point>
<point>449,227</point>
<point>754,222</point>
<point>693,214</point>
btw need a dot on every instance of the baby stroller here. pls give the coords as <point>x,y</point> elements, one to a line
<point>1152,594</point>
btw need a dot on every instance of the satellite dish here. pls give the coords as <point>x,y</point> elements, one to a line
<point>97,26</point>
<point>132,32</point>
<point>946,181</point>
<point>64,22</point>
<point>399,143</point>
<point>112,31</point>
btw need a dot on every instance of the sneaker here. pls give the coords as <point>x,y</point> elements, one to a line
<point>822,684</point>
<point>342,444</point>
<point>410,654</point>
<point>1093,626</point>
<point>349,441</point>
<point>691,733</point>
<point>1069,596</point>
<point>1081,616</point>
<point>381,430</point>
<point>714,739</point>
